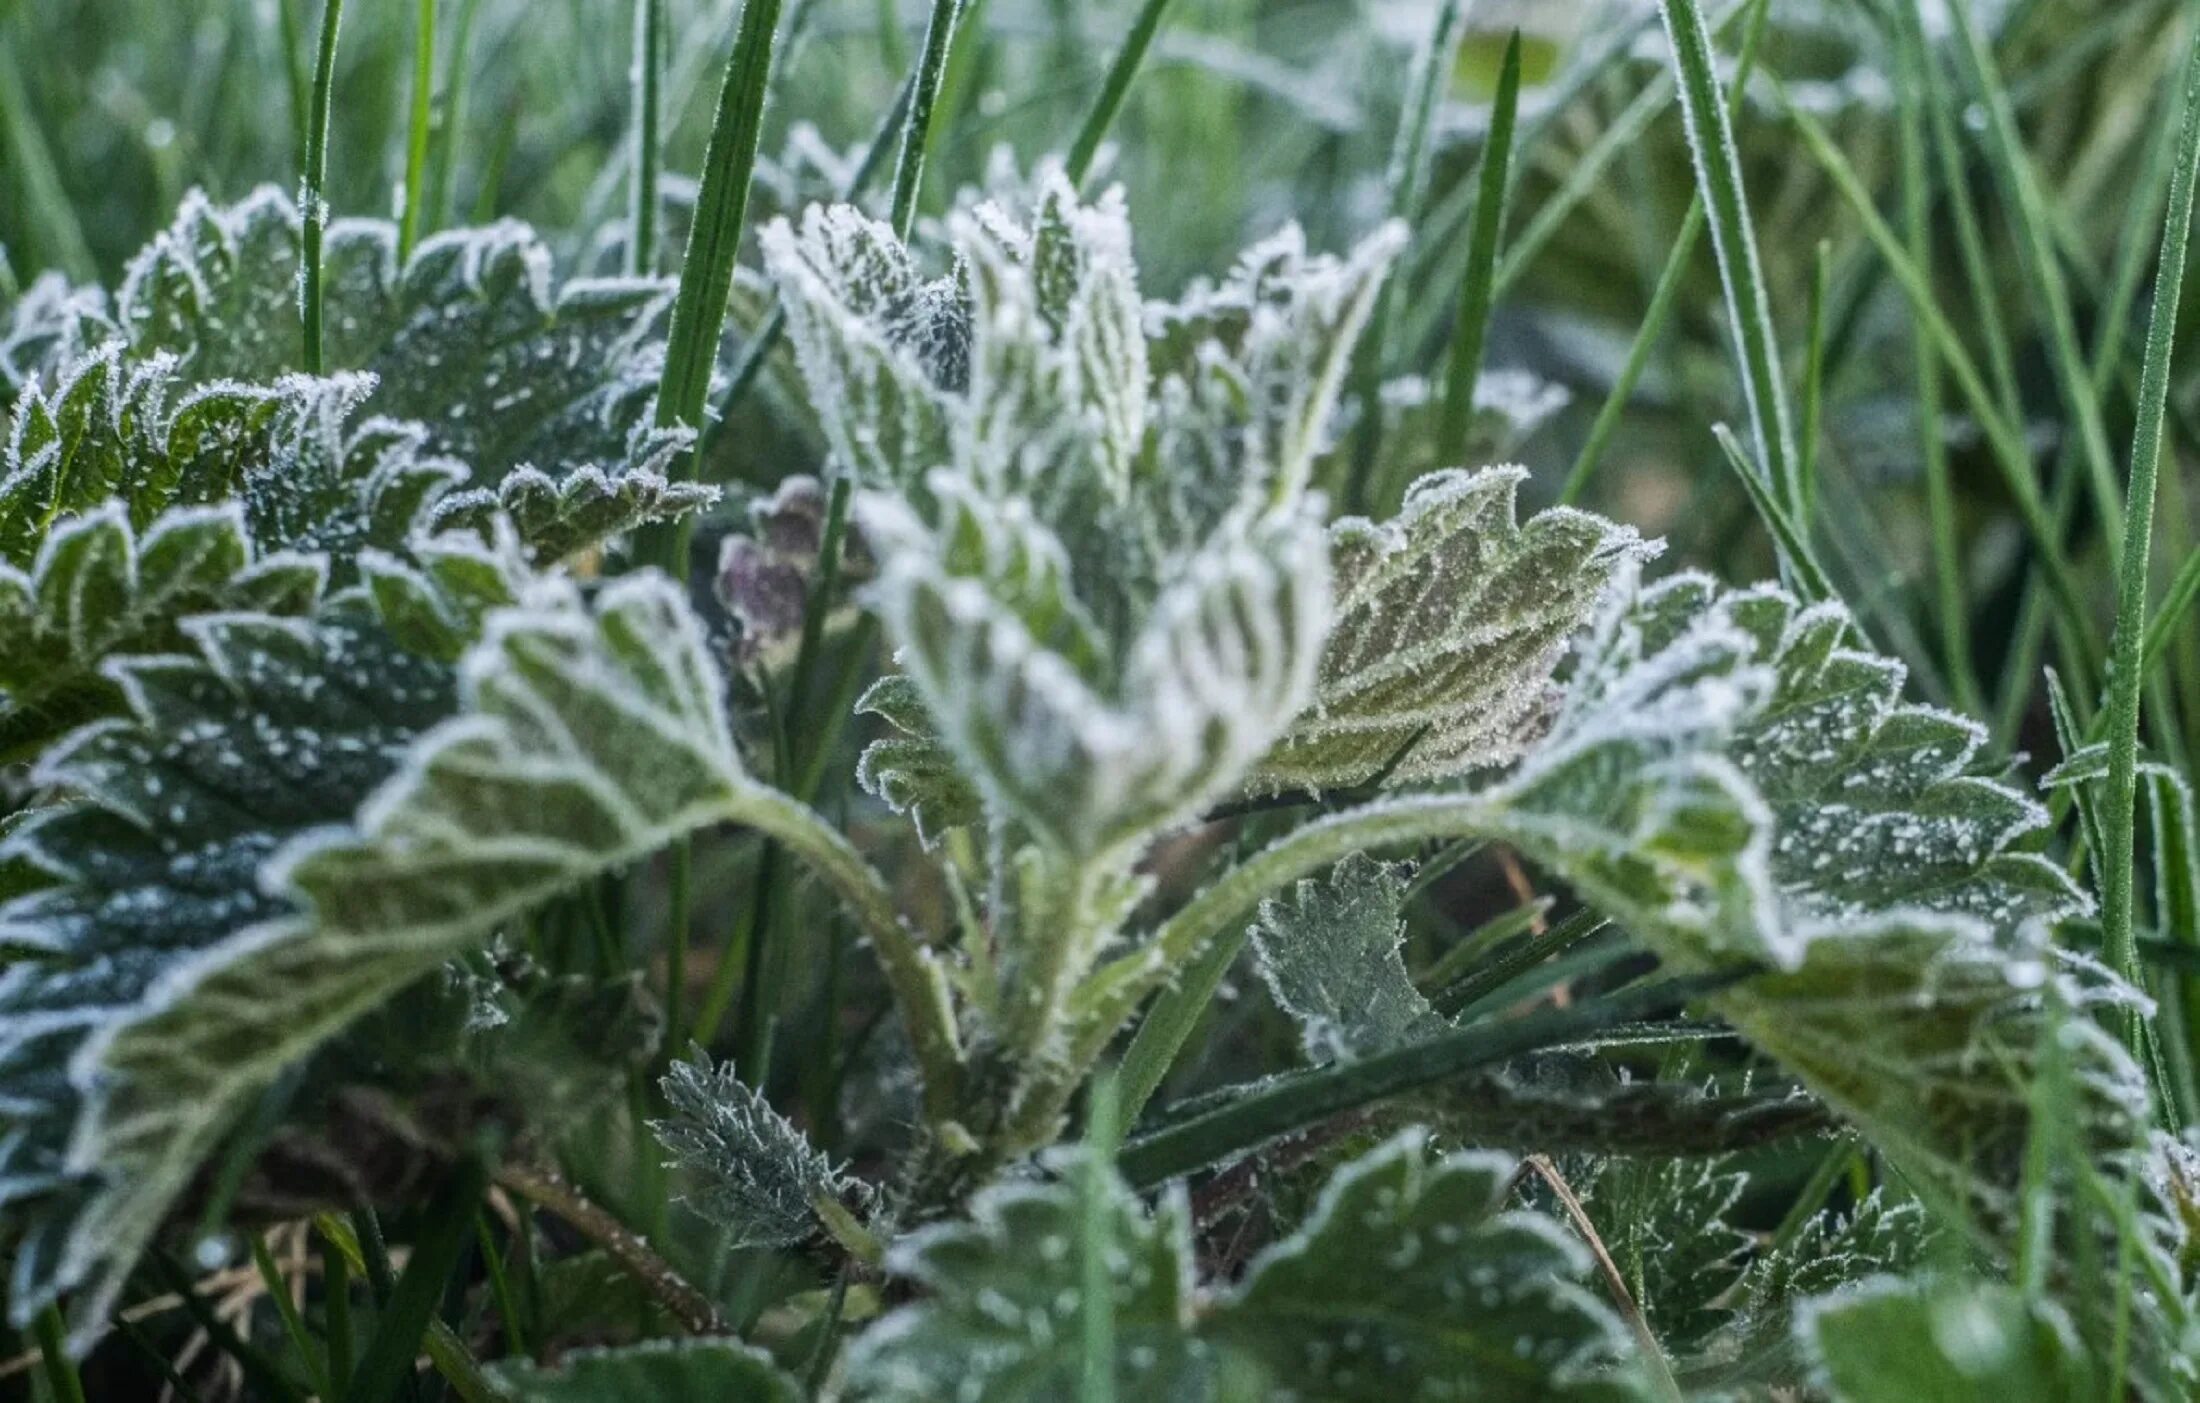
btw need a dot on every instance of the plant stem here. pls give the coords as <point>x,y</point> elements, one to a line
<point>1112,92</point>
<point>410,218</point>
<point>315,212</point>
<point>547,1190</point>
<point>404,1320</point>
<point>641,248</point>
<point>2126,671</point>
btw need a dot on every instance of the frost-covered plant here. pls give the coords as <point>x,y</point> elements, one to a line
<point>336,693</point>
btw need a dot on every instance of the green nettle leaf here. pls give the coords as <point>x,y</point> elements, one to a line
<point>1330,955</point>
<point>1965,1341</point>
<point>262,730</point>
<point>756,1175</point>
<point>1093,548</point>
<point>911,770</point>
<point>472,336</point>
<point>1449,623</point>
<point>1093,756</point>
<point>117,429</point>
<point>1250,370</point>
<point>999,1321</point>
<point>290,827</point>
<point>98,590</point>
<point>561,517</point>
<point>662,1371</point>
<point>51,325</point>
<point>1667,1225</point>
<point>1736,783</point>
<point>1409,1280</point>
<point>1832,1251</point>
<point>884,350</point>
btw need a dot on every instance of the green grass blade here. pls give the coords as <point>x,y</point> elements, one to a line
<point>27,163</point>
<point>1096,1248</point>
<point>1168,1025</point>
<point>410,219</point>
<point>53,1352</point>
<point>916,135</point>
<point>315,213</point>
<point>294,1327</point>
<point>649,53</point>
<point>1814,384</point>
<point>1114,89</point>
<point>1407,181</point>
<point>1671,279</point>
<point>1719,177</point>
<point>2005,444</point>
<point>721,213</point>
<point>336,1303</point>
<point>1797,561</point>
<point>1941,110</point>
<point>2125,673</point>
<point>295,85</point>
<point>2021,195</point>
<point>444,1236</point>
<point>1475,300</point>
<point>1951,607</point>
<point>1295,1102</point>
<point>442,168</point>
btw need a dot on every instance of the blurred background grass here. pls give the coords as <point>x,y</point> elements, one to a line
<point>1252,113</point>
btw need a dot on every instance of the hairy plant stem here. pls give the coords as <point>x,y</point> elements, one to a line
<point>547,1190</point>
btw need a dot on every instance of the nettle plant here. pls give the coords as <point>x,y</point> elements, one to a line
<point>339,705</point>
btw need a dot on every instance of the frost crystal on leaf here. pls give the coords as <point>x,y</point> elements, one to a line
<point>471,336</point>
<point>98,590</point>
<point>1450,620</point>
<point>1410,1280</point>
<point>755,1174</point>
<point>286,831</point>
<point>262,728</point>
<point>1734,783</point>
<point>1101,653</point>
<point>1087,751</point>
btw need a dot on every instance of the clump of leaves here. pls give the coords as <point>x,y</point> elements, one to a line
<point>326,694</point>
